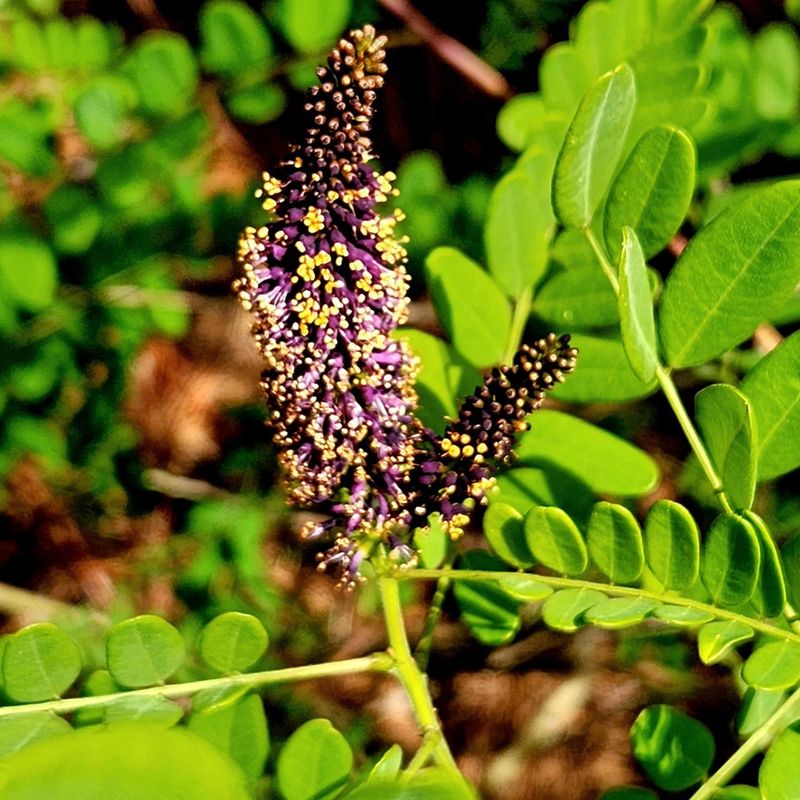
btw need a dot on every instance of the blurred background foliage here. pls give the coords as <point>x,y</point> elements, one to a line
<point>136,474</point>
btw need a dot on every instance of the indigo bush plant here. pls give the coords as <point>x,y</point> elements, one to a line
<point>625,218</point>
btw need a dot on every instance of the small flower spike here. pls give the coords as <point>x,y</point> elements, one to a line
<point>457,469</point>
<point>326,286</point>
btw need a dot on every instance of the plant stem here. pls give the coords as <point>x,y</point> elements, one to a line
<point>434,613</point>
<point>37,607</point>
<point>668,387</point>
<point>606,588</point>
<point>413,680</point>
<point>757,742</point>
<point>522,310</point>
<point>377,662</point>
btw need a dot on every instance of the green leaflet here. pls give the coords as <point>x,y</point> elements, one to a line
<point>40,662</point>
<point>593,146</point>
<point>232,642</point>
<point>673,749</point>
<point>734,272</point>
<point>672,544</point>
<point>728,427</point>
<point>503,528</point>
<point>470,306</point>
<point>315,762</point>
<point>606,463</point>
<point>518,230</point>
<point>773,389</point>
<point>730,561</point>
<point>555,540</point>
<point>604,374</point>
<point>490,612</point>
<point>143,651</point>
<point>566,609</point>
<point>652,191</point>
<point>637,323</point>
<point>717,639</point>
<point>126,761</point>
<point>615,542</point>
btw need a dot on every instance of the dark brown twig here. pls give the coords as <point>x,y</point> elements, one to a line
<point>451,51</point>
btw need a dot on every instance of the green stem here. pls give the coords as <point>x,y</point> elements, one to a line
<point>413,680</point>
<point>606,588</point>
<point>377,662</point>
<point>757,742</point>
<point>669,388</point>
<point>423,650</point>
<point>522,310</point>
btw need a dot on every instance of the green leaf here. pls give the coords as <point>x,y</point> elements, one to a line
<point>604,462</point>
<point>143,651</point>
<point>101,110</point>
<point>152,710</point>
<point>388,765</point>
<point>312,25</point>
<point>257,104</point>
<point>735,271</point>
<point>717,639</point>
<point>683,615</point>
<point>773,666</point>
<point>776,57</point>
<point>756,708</point>
<point>525,487</point>
<point>432,783</point>
<point>740,792</point>
<point>769,597</point>
<point>40,662</point>
<point>217,698</point>
<point>593,146</point>
<point>74,218</point>
<point>576,298</point>
<point>232,642</point>
<point>163,67</point>
<point>127,761</point>
<point>604,374</point>
<point>503,529</point>
<point>518,230</point>
<point>620,612</point>
<point>728,428</point>
<point>19,732</point>
<point>773,388</point>
<point>790,557</point>
<point>615,542</point>
<point>652,191</point>
<point>28,274</point>
<point>432,543</point>
<point>470,306</point>
<point>674,750</point>
<point>233,39</point>
<point>672,545</point>
<point>490,612</point>
<point>731,560</point>
<point>778,777</point>
<point>525,588</point>
<point>563,76</point>
<point>566,610</point>
<point>637,323</point>
<point>315,762</point>
<point>519,120</point>
<point>555,540</point>
<point>239,731</point>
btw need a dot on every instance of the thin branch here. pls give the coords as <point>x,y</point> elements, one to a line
<point>451,51</point>
<point>33,607</point>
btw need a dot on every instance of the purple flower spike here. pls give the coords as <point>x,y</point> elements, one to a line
<point>326,285</point>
